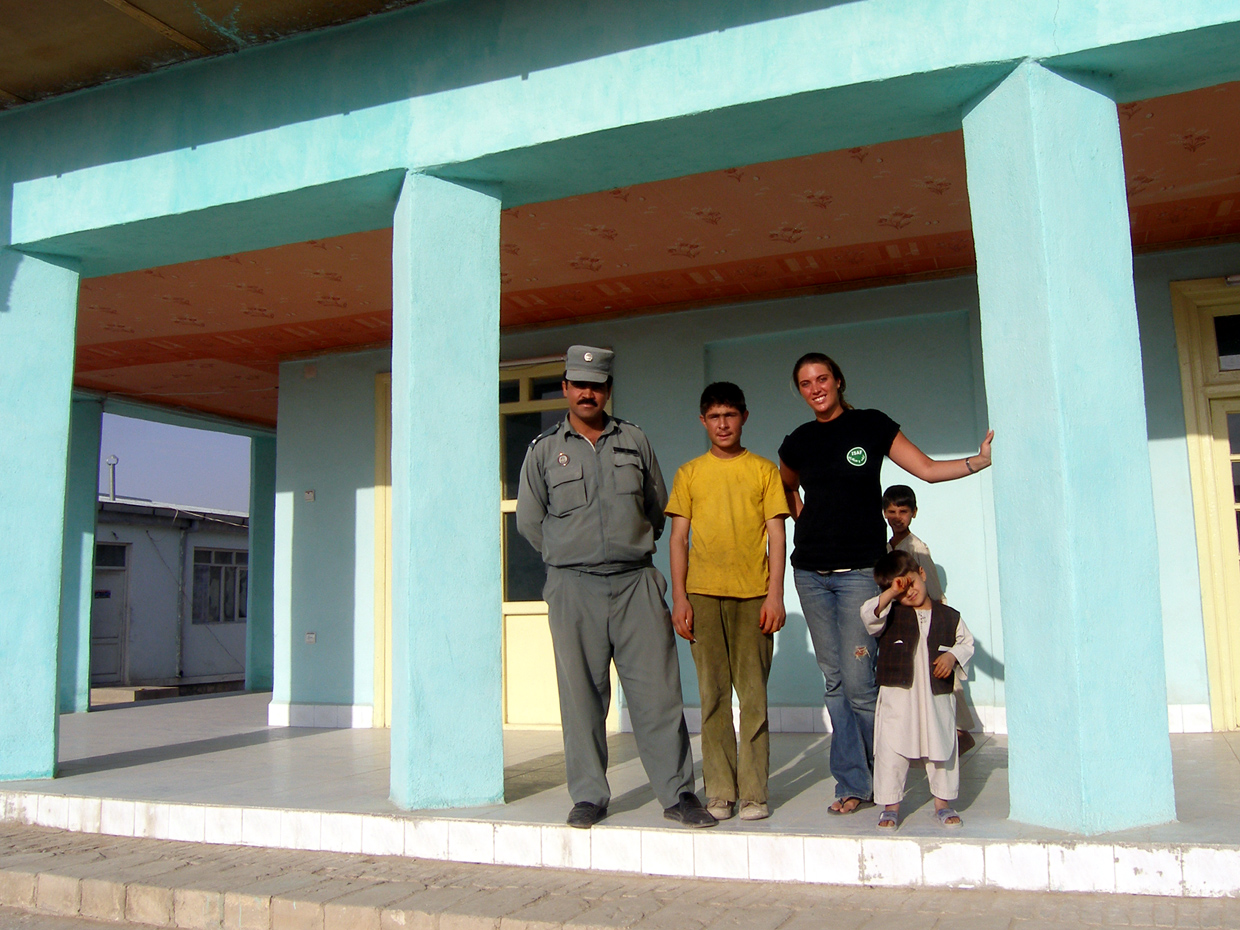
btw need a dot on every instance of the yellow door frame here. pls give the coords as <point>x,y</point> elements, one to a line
<point>1209,394</point>
<point>382,716</point>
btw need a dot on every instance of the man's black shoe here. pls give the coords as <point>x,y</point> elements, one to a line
<point>585,814</point>
<point>689,811</point>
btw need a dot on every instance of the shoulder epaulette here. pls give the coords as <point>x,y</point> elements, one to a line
<point>549,431</point>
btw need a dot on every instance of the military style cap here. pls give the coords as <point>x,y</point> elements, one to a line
<point>587,363</point>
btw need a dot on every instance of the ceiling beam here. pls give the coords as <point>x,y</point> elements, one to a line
<point>159,26</point>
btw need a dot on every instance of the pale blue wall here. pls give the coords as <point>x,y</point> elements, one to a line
<point>674,357</point>
<point>324,561</point>
<point>892,343</point>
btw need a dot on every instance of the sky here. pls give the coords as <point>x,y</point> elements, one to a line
<point>176,465</point>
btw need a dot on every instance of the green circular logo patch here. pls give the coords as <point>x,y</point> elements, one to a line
<point>856,456</point>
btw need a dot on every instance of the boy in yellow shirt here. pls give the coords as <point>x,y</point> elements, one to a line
<point>728,597</point>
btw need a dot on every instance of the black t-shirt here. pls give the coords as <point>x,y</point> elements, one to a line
<point>841,525</point>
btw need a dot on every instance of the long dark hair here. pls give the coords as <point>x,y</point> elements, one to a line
<point>817,358</point>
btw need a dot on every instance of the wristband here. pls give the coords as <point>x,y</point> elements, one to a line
<point>968,466</point>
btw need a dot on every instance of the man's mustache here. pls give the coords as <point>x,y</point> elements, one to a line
<point>587,402</point>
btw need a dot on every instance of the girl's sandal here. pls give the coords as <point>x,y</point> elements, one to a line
<point>887,819</point>
<point>945,814</point>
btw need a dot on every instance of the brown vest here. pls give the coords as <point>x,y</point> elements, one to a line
<point>898,643</point>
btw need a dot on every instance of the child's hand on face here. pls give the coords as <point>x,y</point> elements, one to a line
<point>944,664</point>
<point>901,584</point>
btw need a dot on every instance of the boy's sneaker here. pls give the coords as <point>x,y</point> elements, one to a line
<point>719,808</point>
<point>754,810</point>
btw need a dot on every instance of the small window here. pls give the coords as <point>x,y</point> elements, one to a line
<point>1227,336</point>
<point>509,392</point>
<point>221,585</point>
<point>109,555</point>
<point>547,388</point>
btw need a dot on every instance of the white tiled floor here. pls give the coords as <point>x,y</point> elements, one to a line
<point>210,768</point>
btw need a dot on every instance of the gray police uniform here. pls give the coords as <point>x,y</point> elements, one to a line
<point>594,512</point>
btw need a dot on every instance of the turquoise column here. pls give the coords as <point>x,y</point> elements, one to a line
<point>38,310</point>
<point>77,572</point>
<point>1078,561</point>
<point>447,726</point>
<point>260,605</point>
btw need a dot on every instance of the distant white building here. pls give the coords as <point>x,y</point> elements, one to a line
<point>170,590</point>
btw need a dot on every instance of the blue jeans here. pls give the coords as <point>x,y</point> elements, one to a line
<point>845,653</point>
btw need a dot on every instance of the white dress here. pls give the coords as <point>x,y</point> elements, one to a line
<point>915,722</point>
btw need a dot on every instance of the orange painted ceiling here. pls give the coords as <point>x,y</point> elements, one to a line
<point>209,335</point>
<point>58,46</point>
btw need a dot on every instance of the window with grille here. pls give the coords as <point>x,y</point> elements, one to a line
<point>221,585</point>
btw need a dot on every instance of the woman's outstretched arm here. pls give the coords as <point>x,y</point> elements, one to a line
<point>917,463</point>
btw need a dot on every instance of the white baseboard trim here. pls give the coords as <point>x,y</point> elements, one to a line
<point>1181,718</point>
<point>322,716</point>
<point>1189,718</point>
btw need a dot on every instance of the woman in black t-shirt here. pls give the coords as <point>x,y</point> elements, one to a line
<point>837,458</point>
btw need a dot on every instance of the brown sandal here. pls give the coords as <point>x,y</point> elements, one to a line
<point>840,803</point>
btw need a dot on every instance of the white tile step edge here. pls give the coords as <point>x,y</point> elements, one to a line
<point>1151,869</point>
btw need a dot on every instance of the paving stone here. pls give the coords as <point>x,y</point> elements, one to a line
<point>547,913</point>
<point>974,921</point>
<point>680,915</point>
<point>17,888</point>
<point>487,908</point>
<point>767,918</point>
<point>292,914</point>
<point>901,920</point>
<point>821,916</point>
<point>420,910</point>
<point>247,911</point>
<point>605,915</point>
<point>56,894</point>
<point>148,904</point>
<point>197,909</point>
<point>351,917</point>
<point>102,899</point>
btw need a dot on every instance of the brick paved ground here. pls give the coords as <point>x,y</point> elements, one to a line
<point>59,874</point>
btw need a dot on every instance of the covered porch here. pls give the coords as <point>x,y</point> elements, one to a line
<point>1047,343</point>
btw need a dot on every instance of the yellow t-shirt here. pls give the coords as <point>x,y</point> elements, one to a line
<point>727,503</point>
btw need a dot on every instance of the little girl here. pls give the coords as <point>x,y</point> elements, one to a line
<point>920,642</point>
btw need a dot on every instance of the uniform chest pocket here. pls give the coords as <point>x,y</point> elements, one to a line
<point>627,470</point>
<point>566,489</point>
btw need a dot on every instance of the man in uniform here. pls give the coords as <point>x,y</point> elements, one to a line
<point>591,501</point>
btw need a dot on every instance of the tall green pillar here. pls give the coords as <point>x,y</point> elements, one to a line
<point>1074,513</point>
<point>38,311</point>
<point>447,720</point>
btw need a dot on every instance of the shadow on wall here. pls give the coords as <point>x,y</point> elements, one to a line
<point>8,259</point>
<point>379,60</point>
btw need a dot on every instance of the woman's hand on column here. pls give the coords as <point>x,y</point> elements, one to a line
<point>982,459</point>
